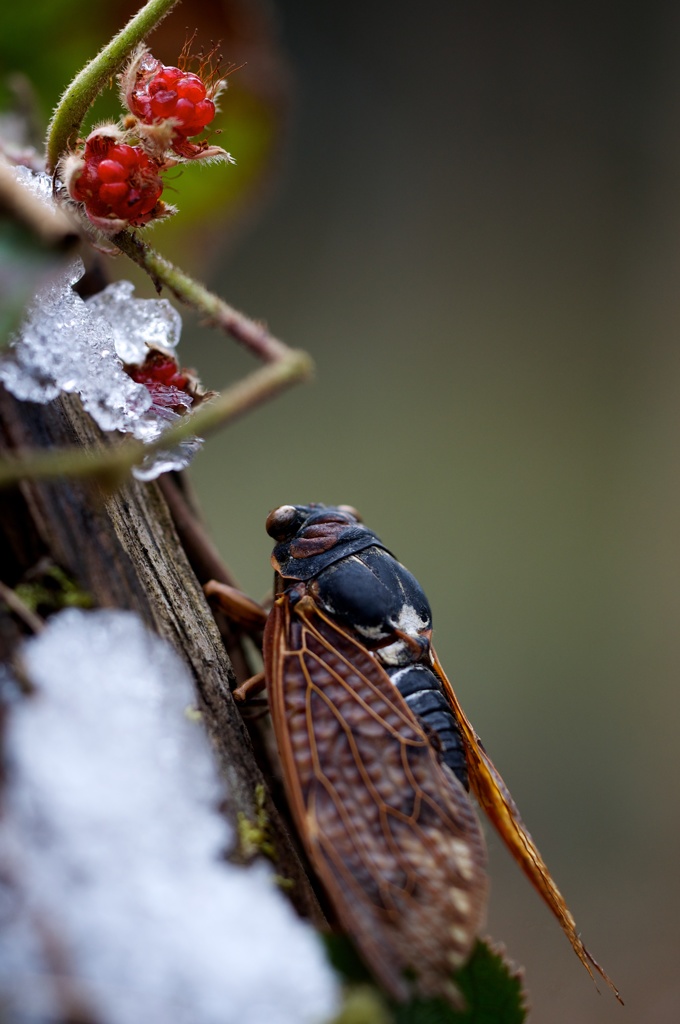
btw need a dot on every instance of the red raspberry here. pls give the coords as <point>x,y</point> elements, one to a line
<point>116,181</point>
<point>167,384</point>
<point>168,92</point>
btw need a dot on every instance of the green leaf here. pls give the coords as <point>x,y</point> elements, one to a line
<point>491,987</point>
<point>344,958</point>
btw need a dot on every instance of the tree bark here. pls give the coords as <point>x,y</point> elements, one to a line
<point>122,548</point>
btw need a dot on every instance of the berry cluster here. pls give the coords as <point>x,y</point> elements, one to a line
<point>117,182</point>
<point>169,93</point>
<point>116,172</point>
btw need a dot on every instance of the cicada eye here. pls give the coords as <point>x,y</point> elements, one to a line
<point>351,511</point>
<point>283,522</point>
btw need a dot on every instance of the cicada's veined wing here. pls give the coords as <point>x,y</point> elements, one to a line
<point>390,832</point>
<point>494,797</point>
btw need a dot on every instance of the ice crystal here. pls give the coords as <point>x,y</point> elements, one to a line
<point>109,823</point>
<point>67,345</point>
<point>137,324</point>
<point>63,346</point>
<point>39,183</point>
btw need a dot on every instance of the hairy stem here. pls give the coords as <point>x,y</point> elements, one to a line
<point>252,335</point>
<point>64,128</point>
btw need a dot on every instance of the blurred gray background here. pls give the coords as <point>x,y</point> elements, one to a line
<point>475,232</point>
<point>477,238</point>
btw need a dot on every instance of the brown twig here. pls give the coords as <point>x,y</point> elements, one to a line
<point>20,608</point>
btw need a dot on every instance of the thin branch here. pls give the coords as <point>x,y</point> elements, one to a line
<point>64,128</point>
<point>202,553</point>
<point>48,224</point>
<point>254,336</point>
<point>20,608</point>
<point>285,366</point>
<point>112,464</point>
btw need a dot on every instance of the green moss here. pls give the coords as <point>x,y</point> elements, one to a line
<point>254,835</point>
<point>52,591</point>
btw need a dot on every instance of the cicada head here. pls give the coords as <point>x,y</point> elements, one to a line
<point>312,537</point>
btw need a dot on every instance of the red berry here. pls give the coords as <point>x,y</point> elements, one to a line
<point>166,92</point>
<point>166,383</point>
<point>116,181</point>
<point>110,170</point>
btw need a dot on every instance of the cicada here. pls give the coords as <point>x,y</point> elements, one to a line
<point>379,759</point>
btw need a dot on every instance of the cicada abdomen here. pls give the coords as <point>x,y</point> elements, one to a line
<point>386,824</point>
<point>377,755</point>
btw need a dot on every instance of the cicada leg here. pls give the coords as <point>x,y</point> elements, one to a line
<point>247,691</point>
<point>240,608</point>
<point>238,617</point>
<point>251,617</point>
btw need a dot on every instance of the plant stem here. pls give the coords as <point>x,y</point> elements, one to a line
<point>20,608</point>
<point>68,116</point>
<point>254,336</point>
<point>112,464</point>
<point>283,366</point>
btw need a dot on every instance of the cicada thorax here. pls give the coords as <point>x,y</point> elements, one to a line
<point>354,701</point>
<point>359,583</point>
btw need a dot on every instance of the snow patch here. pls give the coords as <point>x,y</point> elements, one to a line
<point>110,824</point>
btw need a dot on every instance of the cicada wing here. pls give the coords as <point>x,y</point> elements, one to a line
<point>494,797</point>
<point>390,832</point>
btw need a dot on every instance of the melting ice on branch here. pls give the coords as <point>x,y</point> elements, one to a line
<point>68,345</point>
<point>110,826</point>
